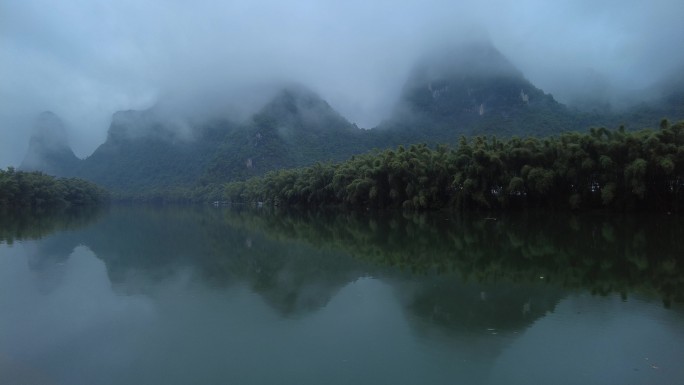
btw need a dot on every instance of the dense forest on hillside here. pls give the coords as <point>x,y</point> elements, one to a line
<point>602,168</point>
<point>20,189</point>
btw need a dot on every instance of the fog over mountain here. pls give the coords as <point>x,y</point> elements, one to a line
<point>85,60</point>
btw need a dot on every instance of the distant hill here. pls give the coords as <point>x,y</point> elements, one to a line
<point>295,128</point>
<point>468,90</point>
<point>144,152</point>
<point>669,103</point>
<point>471,90</point>
<point>49,149</point>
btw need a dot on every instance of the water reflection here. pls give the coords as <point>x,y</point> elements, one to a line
<point>604,254</point>
<point>153,295</point>
<point>36,224</point>
<point>66,334</point>
<point>596,341</point>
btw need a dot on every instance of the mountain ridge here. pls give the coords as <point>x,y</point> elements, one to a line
<point>464,91</point>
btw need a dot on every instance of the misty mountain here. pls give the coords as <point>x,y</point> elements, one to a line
<point>297,127</point>
<point>669,101</point>
<point>49,149</point>
<point>466,90</point>
<point>473,89</point>
<point>143,152</point>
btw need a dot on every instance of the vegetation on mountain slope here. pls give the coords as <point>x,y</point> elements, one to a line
<point>471,91</point>
<point>602,168</point>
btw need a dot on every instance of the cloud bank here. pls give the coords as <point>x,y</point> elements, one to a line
<point>86,59</point>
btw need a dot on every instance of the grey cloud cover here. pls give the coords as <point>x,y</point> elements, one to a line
<point>86,59</point>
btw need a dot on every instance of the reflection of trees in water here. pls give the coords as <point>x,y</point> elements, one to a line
<point>46,258</point>
<point>17,225</point>
<point>298,261</point>
<point>600,253</point>
<point>143,244</point>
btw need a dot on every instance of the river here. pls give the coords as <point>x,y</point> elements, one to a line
<point>191,295</point>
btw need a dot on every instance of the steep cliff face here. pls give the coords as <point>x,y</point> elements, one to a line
<point>49,149</point>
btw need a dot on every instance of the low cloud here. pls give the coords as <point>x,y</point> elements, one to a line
<point>86,59</point>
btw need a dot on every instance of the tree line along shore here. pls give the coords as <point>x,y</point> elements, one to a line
<point>36,190</point>
<point>602,168</point>
<point>598,169</point>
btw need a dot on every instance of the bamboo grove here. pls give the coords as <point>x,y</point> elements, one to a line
<point>600,169</point>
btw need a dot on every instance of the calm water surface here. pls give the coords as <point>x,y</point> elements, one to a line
<point>135,295</point>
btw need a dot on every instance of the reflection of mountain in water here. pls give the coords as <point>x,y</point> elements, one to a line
<point>142,244</point>
<point>600,253</point>
<point>467,272</point>
<point>455,306</point>
<point>459,292</point>
<point>50,254</point>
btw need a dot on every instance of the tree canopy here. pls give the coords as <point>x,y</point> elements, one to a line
<point>20,189</point>
<point>598,169</point>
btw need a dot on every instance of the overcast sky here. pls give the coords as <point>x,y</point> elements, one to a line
<point>86,59</point>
